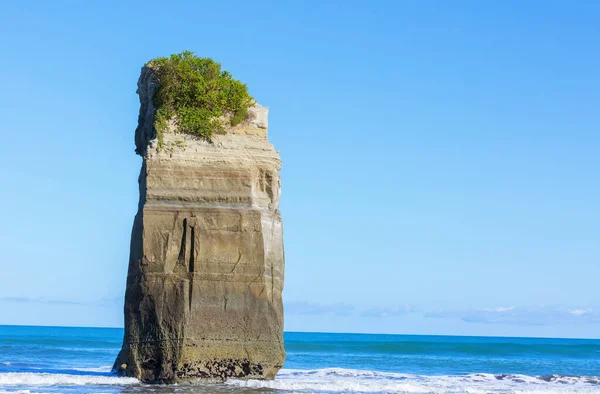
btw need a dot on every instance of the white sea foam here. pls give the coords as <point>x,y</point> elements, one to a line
<point>18,392</point>
<point>338,380</point>
<point>23,392</point>
<point>340,372</point>
<point>49,379</point>
<point>106,368</point>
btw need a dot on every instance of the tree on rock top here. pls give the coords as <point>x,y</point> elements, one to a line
<point>197,95</point>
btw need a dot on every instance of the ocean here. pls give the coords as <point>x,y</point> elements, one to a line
<point>78,360</point>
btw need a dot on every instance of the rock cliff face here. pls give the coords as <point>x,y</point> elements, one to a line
<point>203,297</point>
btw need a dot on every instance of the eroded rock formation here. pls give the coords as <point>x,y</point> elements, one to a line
<point>203,296</point>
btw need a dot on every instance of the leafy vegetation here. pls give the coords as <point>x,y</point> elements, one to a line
<point>195,94</point>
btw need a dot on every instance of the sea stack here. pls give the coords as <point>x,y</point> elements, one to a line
<point>203,297</point>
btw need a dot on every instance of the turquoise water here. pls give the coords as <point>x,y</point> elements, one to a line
<point>75,360</point>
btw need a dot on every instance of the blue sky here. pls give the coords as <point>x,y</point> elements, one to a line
<point>440,158</point>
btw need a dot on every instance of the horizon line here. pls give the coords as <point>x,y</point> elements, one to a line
<point>338,332</point>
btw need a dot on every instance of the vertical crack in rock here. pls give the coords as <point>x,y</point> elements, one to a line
<point>204,286</point>
<point>237,262</point>
<point>181,258</point>
<point>269,185</point>
<point>191,268</point>
<point>192,246</point>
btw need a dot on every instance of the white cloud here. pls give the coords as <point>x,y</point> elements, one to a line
<point>499,310</point>
<point>381,312</point>
<point>579,312</point>
<point>534,316</point>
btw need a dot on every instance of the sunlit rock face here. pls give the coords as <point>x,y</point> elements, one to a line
<point>203,296</point>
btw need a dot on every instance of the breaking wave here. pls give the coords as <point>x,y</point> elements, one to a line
<point>339,380</point>
<point>329,380</point>
<point>104,369</point>
<point>49,379</point>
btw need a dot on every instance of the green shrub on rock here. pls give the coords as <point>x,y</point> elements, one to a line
<point>197,95</point>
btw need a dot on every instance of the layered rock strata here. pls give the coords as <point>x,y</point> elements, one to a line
<point>203,297</point>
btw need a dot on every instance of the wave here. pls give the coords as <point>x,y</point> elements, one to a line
<point>339,380</point>
<point>17,367</point>
<point>105,368</point>
<point>335,380</point>
<point>49,379</point>
<point>451,348</point>
<point>17,392</point>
